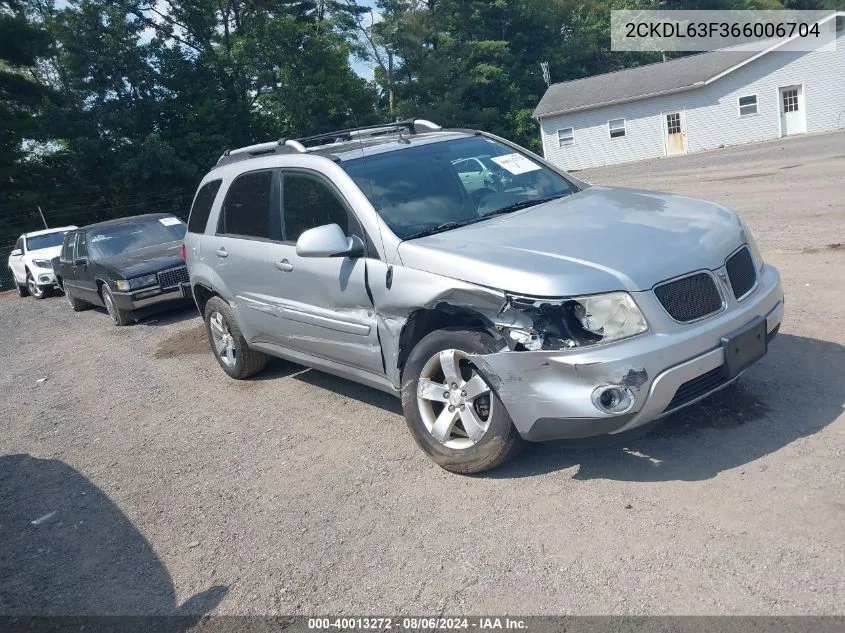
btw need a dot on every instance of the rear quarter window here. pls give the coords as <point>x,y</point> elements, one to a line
<point>201,208</point>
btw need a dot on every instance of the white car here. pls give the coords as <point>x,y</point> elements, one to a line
<point>29,261</point>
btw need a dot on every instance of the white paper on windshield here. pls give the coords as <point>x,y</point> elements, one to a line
<point>170,221</point>
<point>515,163</point>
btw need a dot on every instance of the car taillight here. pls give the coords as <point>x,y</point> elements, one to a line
<point>184,254</point>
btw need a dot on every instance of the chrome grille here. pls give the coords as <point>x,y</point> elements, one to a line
<point>741,272</point>
<point>690,298</point>
<point>173,277</point>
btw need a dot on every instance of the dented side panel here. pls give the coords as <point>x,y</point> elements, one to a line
<point>399,292</point>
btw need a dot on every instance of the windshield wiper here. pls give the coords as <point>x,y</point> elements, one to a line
<point>446,226</point>
<point>524,204</point>
<point>440,228</point>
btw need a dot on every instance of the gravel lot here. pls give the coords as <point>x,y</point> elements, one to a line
<point>158,485</point>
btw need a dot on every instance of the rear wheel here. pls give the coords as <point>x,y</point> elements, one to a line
<point>22,290</point>
<point>230,348</point>
<point>120,317</point>
<point>77,305</point>
<point>451,410</point>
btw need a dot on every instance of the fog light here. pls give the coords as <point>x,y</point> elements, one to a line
<point>613,399</point>
<point>43,279</point>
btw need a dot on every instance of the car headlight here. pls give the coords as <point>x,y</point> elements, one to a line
<point>43,263</point>
<point>541,323</point>
<point>136,282</point>
<point>752,244</point>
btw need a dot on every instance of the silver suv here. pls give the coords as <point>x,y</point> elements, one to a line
<point>513,303</point>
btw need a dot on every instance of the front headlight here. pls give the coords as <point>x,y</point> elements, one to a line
<point>43,263</point>
<point>752,244</point>
<point>136,282</point>
<point>540,323</point>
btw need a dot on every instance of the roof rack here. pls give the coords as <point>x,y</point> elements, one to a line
<point>321,141</point>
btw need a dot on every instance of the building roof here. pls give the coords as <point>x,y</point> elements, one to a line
<point>631,84</point>
<point>676,75</point>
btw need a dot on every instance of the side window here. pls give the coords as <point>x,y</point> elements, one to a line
<point>250,209</point>
<point>310,202</point>
<point>201,208</point>
<point>81,246</point>
<point>67,247</point>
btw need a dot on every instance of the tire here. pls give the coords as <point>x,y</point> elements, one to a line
<point>120,317</point>
<point>22,291</point>
<point>37,292</point>
<point>77,305</point>
<point>227,341</point>
<point>482,441</point>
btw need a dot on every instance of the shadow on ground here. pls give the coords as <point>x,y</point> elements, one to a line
<point>795,391</point>
<point>66,549</point>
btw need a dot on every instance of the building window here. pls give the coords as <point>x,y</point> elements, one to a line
<point>616,127</point>
<point>673,123</point>
<point>748,105</point>
<point>790,100</point>
<point>566,136</point>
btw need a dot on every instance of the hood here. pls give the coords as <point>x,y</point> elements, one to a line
<point>45,253</point>
<point>598,240</point>
<point>144,261</point>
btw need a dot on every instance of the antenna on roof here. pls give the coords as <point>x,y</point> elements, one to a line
<point>547,77</point>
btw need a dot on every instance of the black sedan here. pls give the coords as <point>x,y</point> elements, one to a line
<point>130,266</point>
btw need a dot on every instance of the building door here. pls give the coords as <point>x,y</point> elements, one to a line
<point>675,132</point>
<point>793,119</point>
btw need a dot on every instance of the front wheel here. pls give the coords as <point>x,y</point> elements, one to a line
<point>451,410</point>
<point>120,317</point>
<point>230,348</point>
<point>77,305</point>
<point>38,292</point>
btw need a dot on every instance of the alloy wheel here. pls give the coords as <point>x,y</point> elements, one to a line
<point>224,342</point>
<point>454,400</point>
<point>33,288</point>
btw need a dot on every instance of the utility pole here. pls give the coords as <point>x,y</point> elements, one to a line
<point>42,217</point>
<point>546,75</point>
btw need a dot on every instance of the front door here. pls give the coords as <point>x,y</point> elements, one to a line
<point>83,277</point>
<point>792,115</point>
<point>324,301</point>
<point>674,127</point>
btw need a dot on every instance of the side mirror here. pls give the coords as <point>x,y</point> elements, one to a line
<point>82,261</point>
<point>16,253</point>
<point>328,241</point>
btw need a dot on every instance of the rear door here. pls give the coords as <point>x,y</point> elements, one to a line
<point>17,264</point>
<point>245,243</point>
<point>324,300</point>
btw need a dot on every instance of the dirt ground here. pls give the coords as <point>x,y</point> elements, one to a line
<point>135,477</point>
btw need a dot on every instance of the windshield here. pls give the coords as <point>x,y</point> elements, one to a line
<point>423,189</point>
<point>112,240</point>
<point>48,240</point>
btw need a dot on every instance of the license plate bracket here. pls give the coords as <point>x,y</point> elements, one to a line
<point>744,347</point>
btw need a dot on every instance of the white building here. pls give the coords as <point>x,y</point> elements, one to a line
<point>694,103</point>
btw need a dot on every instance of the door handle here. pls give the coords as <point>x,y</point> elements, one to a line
<point>285,266</point>
<point>221,252</point>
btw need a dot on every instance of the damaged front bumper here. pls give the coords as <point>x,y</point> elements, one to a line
<point>549,393</point>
